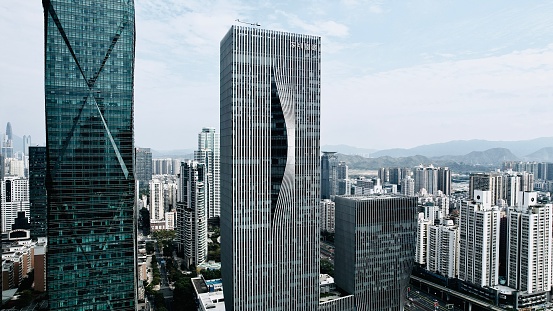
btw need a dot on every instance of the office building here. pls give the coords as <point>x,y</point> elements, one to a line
<point>157,209</point>
<point>192,213</point>
<point>143,168</point>
<point>89,69</point>
<point>479,230</point>
<point>37,191</point>
<point>395,175</point>
<point>26,145</point>
<point>7,143</point>
<point>444,180</point>
<point>208,153</point>
<point>328,175</point>
<point>529,246</point>
<point>375,249</point>
<point>270,169</point>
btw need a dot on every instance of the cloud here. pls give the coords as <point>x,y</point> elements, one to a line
<point>499,97</point>
<point>324,28</point>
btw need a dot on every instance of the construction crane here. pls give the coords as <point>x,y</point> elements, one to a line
<point>251,24</point>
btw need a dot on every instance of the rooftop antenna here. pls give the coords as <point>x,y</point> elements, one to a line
<point>251,24</point>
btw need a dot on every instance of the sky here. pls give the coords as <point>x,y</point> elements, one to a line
<point>395,74</point>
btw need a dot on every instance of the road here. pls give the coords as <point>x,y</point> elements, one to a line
<point>164,284</point>
<point>421,301</point>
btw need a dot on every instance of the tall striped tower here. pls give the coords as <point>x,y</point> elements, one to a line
<point>270,169</point>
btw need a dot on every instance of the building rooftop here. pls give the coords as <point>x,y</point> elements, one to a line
<point>210,293</point>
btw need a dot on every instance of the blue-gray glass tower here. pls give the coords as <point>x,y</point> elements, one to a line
<point>375,249</point>
<point>270,169</point>
<point>89,66</point>
<point>37,190</point>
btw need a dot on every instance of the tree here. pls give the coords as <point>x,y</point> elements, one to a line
<point>164,237</point>
<point>327,267</point>
<point>183,295</point>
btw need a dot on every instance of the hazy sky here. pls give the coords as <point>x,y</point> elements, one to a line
<point>394,73</point>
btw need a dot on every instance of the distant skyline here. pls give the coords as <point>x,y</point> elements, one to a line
<point>394,74</point>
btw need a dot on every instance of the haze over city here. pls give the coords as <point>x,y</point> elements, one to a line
<point>410,73</point>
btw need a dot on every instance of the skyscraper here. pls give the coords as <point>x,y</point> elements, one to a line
<point>157,210</point>
<point>270,169</point>
<point>375,249</point>
<point>328,175</point>
<point>89,68</point>
<point>37,191</point>
<point>208,153</point>
<point>444,180</point>
<point>192,213</point>
<point>426,178</point>
<point>7,144</point>
<point>143,167</point>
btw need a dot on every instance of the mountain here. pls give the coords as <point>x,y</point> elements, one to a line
<point>460,147</point>
<point>472,162</point>
<point>542,155</point>
<point>362,163</point>
<point>345,149</point>
<point>490,157</point>
<point>177,153</point>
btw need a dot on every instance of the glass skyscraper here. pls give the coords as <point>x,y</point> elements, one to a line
<point>37,190</point>
<point>270,169</point>
<point>375,249</point>
<point>89,67</point>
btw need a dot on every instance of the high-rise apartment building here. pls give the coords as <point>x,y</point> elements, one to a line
<point>327,215</point>
<point>375,249</point>
<point>37,191</point>
<point>89,68</point>
<point>270,169</point>
<point>426,178</point>
<point>421,248</point>
<point>14,192</point>
<point>492,182</point>
<point>208,153</point>
<point>192,213</point>
<point>529,245</point>
<point>143,167</point>
<point>443,249</point>
<point>479,230</point>
<point>408,186</point>
<point>156,204</point>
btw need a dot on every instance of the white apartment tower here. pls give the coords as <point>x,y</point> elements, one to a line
<point>208,153</point>
<point>421,248</point>
<point>408,186</point>
<point>270,169</point>
<point>443,249</point>
<point>192,213</point>
<point>157,211</point>
<point>14,193</point>
<point>328,208</point>
<point>529,245</point>
<point>479,229</point>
